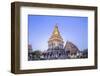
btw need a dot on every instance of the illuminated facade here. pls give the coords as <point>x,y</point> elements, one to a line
<point>55,46</point>
<point>57,49</point>
<point>55,41</point>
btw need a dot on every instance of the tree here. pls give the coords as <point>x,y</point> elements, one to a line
<point>85,53</point>
<point>36,55</point>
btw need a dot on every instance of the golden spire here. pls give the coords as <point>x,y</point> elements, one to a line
<point>56,34</point>
<point>56,31</point>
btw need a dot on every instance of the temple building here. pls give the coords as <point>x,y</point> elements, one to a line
<point>55,46</point>
<point>55,41</point>
<point>57,49</point>
<point>71,49</point>
<point>69,46</point>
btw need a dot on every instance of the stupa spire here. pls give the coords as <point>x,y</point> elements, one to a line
<point>56,31</point>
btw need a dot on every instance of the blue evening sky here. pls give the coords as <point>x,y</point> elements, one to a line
<point>72,28</point>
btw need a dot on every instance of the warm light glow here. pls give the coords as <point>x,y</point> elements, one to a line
<point>56,32</point>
